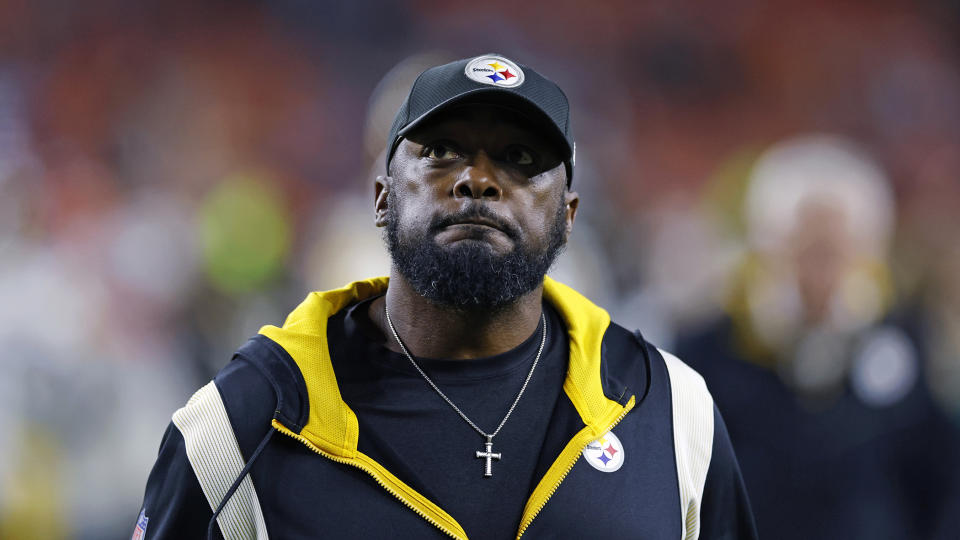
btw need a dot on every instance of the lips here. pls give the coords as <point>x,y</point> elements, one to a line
<point>480,222</point>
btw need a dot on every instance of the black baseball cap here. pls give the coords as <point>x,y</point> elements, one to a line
<point>489,78</point>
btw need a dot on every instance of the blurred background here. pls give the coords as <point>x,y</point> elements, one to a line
<point>769,188</point>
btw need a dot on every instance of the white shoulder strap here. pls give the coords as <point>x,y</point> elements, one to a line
<point>692,438</point>
<point>215,457</point>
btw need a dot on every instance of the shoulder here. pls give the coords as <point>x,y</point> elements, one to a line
<point>260,383</point>
<point>641,364</point>
<point>692,408</point>
<point>210,442</point>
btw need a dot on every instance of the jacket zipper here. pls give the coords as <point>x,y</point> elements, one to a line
<point>283,429</point>
<point>527,522</point>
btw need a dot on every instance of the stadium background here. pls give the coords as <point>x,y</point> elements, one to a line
<point>175,174</point>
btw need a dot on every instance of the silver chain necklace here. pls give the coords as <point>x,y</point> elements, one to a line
<point>488,454</point>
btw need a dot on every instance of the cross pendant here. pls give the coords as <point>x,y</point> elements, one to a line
<point>488,455</point>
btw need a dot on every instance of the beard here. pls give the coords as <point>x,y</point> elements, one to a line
<point>470,275</point>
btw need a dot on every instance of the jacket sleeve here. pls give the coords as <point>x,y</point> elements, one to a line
<point>174,505</point>
<point>226,419</point>
<point>725,512</point>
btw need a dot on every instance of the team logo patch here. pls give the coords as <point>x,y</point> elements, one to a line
<point>140,531</point>
<point>494,70</point>
<point>605,454</point>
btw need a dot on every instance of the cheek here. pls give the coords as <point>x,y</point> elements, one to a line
<point>538,227</point>
<point>422,189</point>
<point>412,216</point>
<point>550,209</point>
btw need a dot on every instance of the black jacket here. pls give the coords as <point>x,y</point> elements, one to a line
<point>671,471</point>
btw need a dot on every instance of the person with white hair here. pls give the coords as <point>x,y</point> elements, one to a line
<point>822,390</point>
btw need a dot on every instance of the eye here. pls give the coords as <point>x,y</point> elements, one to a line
<point>519,155</point>
<point>440,151</point>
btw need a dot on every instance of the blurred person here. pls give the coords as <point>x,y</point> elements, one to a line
<point>398,400</point>
<point>820,385</point>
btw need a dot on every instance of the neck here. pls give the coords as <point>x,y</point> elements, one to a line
<point>434,331</point>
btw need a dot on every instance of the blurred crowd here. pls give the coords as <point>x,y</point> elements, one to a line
<point>771,189</point>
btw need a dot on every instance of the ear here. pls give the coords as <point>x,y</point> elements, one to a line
<point>572,200</point>
<point>381,188</point>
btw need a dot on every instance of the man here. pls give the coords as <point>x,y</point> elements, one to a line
<point>466,395</point>
<point>812,365</point>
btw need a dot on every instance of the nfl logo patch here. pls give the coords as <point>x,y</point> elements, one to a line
<point>605,454</point>
<point>140,531</point>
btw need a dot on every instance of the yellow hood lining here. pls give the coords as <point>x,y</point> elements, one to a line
<point>332,425</point>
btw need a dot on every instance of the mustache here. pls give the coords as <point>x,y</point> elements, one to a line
<point>473,213</point>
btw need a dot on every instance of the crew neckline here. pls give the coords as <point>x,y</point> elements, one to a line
<point>447,369</point>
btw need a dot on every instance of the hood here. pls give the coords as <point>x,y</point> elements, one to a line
<point>332,426</point>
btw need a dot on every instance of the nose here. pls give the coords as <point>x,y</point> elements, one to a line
<point>478,180</point>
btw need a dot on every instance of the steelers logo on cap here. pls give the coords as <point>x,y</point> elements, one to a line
<point>605,454</point>
<point>495,71</point>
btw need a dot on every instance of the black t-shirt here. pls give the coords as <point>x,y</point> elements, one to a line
<point>408,428</point>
